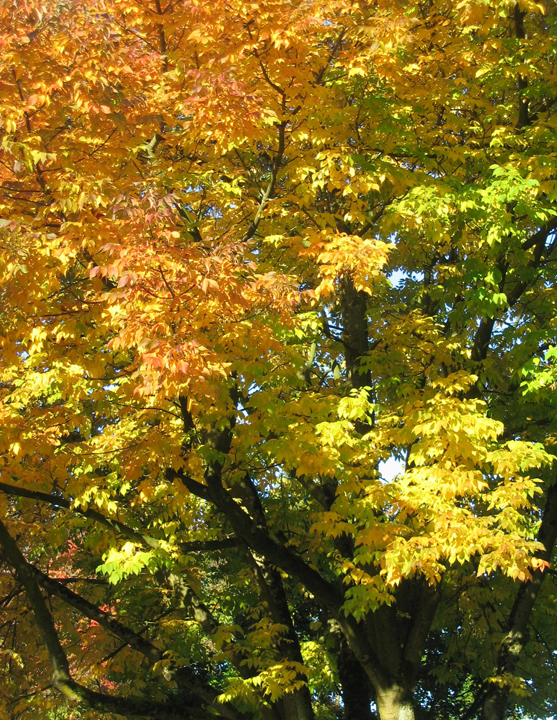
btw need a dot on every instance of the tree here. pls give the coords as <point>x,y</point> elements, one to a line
<point>250,253</point>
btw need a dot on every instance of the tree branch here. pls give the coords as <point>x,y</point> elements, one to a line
<point>321,74</point>
<point>516,636</point>
<point>520,32</point>
<point>272,182</point>
<point>329,595</point>
<point>61,678</point>
<point>105,620</point>
<point>540,236</point>
<point>422,620</point>
<point>192,546</point>
<point>537,241</point>
<point>60,501</point>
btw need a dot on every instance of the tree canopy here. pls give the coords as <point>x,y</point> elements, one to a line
<point>278,342</point>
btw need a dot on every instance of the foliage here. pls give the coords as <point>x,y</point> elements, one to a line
<point>250,253</point>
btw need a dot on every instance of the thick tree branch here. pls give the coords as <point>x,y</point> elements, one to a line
<point>268,194</point>
<point>520,32</point>
<point>482,338</point>
<point>182,675</point>
<point>162,38</point>
<point>60,501</point>
<point>422,620</point>
<point>256,537</point>
<point>321,73</point>
<point>192,546</point>
<point>61,678</point>
<point>259,541</point>
<point>327,594</point>
<point>354,332</point>
<point>514,292</point>
<point>538,239</point>
<point>105,620</point>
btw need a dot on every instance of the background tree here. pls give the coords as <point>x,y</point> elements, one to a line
<point>250,252</point>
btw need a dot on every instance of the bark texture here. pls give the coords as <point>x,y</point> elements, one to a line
<point>395,703</point>
<point>357,691</point>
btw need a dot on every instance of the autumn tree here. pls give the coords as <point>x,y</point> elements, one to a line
<point>253,255</point>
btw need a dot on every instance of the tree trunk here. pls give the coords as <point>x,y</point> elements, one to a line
<point>295,706</point>
<point>357,692</point>
<point>354,332</point>
<point>395,703</point>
